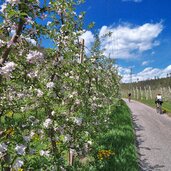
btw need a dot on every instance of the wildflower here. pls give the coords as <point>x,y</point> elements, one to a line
<point>9,114</point>
<point>10,131</point>
<point>47,123</point>
<point>104,154</point>
<point>50,85</point>
<point>20,149</point>
<point>20,169</point>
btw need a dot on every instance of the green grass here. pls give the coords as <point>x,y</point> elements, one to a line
<point>166,105</point>
<point>120,139</point>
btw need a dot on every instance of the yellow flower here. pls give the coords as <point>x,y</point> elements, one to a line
<point>20,169</point>
<point>10,131</point>
<point>104,154</point>
<point>58,142</point>
<point>36,137</point>
<point>9,114</point>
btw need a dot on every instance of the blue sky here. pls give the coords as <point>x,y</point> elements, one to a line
<point>141,36</point>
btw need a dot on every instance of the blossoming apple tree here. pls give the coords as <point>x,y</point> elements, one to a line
<point>52,104</point>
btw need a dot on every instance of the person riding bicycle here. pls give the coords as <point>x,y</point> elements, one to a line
<point>159,102</point>
<point>129,97</point>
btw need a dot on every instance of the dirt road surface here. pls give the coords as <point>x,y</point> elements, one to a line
<point>153,132</point>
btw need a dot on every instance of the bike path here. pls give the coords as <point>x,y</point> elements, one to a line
<point>153,133</point>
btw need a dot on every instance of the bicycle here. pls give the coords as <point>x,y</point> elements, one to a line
<point>159,108</point>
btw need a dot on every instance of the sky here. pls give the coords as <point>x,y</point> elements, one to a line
<point>140,35</point>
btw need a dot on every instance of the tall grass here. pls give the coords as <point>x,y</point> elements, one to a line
<point>119,140</point>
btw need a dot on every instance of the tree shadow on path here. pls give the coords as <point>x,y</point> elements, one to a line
<point>144,164</point>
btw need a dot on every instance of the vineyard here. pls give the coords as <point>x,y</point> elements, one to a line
<point>146,91</point>
<point>59,108</point>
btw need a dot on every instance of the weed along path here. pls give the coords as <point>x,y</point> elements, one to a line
<point>153,132</point>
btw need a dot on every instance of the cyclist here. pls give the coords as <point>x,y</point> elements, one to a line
<point>158,102</point>
<point>129,97</point>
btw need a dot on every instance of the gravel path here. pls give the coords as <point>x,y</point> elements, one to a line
<point>153,132</point>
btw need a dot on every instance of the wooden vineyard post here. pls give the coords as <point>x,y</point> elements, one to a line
<point>82,42</point>
<point>161,90</point>
<point>134,92</point>
<point>169,89</point>
<point>146,93</point>
<point>71,156</point>
<point>150,93</point>
<point>137,93</point>
<point>141,94</point>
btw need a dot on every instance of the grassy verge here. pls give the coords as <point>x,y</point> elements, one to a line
<point>166,105</point>
<point>115,149</point>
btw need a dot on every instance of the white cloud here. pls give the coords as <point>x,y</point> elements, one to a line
<point>132,0</point>
<point>145,63</point>
<point>147,73</point>
<point>128,41</point>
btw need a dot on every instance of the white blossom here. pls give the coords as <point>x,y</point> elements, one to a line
<point>53,113</point>
<point>80,16</point>
<point>39,93</point>
<point>3,7</point>
<point>77,101</point>
<point>30,20</point>
<point>32,133</point>
<point>3,147</point>
<point>48,23</point>
<point>38,2</point>
<point>13,1</point>
<point>78,121</point>
<point>9,67</point>
<point>47,123</point>
<point>18,164</point>
<point>20,149</point>
<point>90,142</point>
<point>20,95</point>
<point>26,138</point>
<point>32,74</point>
<point>50,85</point>
<point>67,138</point>
<point>1,43</point>
<point>35,56</point>
<point>44,153</point>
